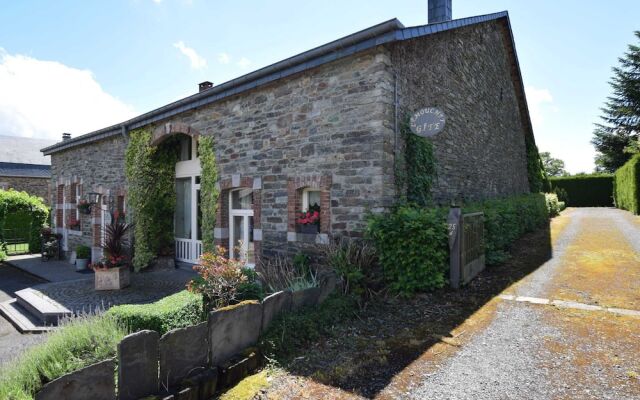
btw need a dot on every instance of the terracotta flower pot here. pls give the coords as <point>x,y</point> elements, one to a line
<point>112,278</point>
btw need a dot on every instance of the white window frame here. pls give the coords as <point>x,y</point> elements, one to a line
<point>77,196</point>
<point>191,169</point>
<point>245,213</point>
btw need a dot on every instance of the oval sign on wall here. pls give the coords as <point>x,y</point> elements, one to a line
<point>427,121</point>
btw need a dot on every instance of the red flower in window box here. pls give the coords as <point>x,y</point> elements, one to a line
<point>74,223</point>
<point>308,218</point>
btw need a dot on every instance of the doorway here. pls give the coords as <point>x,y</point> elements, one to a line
<point>187,229</point>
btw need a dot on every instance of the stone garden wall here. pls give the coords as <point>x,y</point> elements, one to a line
<point>468,74</point>
<point>186,363</point>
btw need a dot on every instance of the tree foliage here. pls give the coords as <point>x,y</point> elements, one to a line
<point>18,209</point>
<point>552,166</point>
<point>616,138</point>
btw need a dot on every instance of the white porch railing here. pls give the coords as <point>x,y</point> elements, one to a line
<point>188,250</point>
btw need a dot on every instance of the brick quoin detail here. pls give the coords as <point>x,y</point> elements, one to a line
<point>59,204</point>
<point>296,185</point>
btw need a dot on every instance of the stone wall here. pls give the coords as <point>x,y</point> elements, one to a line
<point>98,167</point>
<point>186,363</point>
<point>466,72</point>
<point>327,122</point>
<point>34,186</point>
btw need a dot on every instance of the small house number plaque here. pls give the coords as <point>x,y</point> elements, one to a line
<point>427,122</point>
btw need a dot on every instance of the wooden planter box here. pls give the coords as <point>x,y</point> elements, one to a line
<point>112,278</point>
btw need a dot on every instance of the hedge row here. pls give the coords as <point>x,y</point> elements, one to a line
<point>171,312</point>
<point>627,185</point>
<point>505,220</point>
<point>19,210</point>
<point>586,190</point>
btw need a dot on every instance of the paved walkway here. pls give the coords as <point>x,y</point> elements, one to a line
<point>51,271</point>
<point>573,349</point>
<point>11,341</point>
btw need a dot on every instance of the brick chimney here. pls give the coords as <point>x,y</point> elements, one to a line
<point>66,136</point>
<point>439,11</point>
<point>205,86</point>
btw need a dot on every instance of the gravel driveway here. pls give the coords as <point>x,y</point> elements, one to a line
<point>11,341</point>
<point>533,351</point>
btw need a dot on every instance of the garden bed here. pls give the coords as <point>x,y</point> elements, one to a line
<point>368,348</point>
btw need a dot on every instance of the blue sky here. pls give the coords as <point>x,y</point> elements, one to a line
<point>80,65</point>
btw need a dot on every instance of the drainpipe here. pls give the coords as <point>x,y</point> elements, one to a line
<point>395,113</point>
<point>123,131</point>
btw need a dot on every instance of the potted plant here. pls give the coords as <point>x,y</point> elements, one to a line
<point>83,254</point>
<point>112,272</point>
<point>309,221</point>
<point>84,207</point>
<point>50,244</point>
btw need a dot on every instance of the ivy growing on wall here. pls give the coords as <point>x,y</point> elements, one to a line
<point>150,172</point>
<point>208,190</point>
<point>416,168</point>
<point>538,181</point>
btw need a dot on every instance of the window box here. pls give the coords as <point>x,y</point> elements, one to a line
<point>310,229</point>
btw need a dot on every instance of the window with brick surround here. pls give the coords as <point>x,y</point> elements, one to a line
<point>305,194</point>
<point>74,220</point>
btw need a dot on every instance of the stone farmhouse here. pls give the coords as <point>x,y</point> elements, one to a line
<point>23,167</point>
<point>321,129</point>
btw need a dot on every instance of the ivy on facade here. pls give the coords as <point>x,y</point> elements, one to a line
<point>538,181</point>
<point>415,168</point>
<point>150,172</point>
<point>208,191</point>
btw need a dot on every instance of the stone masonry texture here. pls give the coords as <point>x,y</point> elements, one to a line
<point>34,186</point>
<point>466,72</point>
<point>334,125</point>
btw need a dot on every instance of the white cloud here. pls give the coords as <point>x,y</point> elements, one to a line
<point>536,99</point>
<point>224,58</point>
<point>196,60</point>
<point>244,63</point>
<point>157,1</point>
<point>45,98</point>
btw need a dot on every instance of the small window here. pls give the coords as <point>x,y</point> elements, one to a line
<point>242,199</point>
<point>310,200</point>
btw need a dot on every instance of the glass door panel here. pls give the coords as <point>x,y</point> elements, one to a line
<point>183,208</point>
<point>238,236</point>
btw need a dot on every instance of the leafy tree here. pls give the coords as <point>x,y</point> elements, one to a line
<point>552,166</point>
<point>616,139</point>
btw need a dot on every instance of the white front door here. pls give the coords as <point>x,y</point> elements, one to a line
<point>188,236</point>
<point>241,226</point>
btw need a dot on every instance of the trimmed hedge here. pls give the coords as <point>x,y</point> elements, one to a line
<point>19,210</point>
<point>505,220</point>
<point>412,246</point>
<point>627,185</point>
<point>554,206</point>
<point>176,311</point>
<point>594,190</point>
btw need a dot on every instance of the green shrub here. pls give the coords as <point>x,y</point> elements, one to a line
<point>554,206</point>
<point>3,253</point>
<point>411,244</point>
<point>356,263</point>
<point>251,289</point>
<point>21,211</point>
<point>291,332</point>
<point>627,185</point>
<point>83,252</point>
<point>175,311</point>
<point>505,220</point>
<point>78,343</point>
<point>594,190</point>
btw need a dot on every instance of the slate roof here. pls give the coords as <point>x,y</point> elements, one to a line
<point>24,170</point>
<point>386,32</point>
<point>23,150</point>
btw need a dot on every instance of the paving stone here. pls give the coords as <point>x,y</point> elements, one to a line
<point>534,300</point>
<point>576,305</point>
<point>183,351</point>
<point>138,365</point>
<point>273,305</point>
<point>95,382</point>
<point>233,329</point>
<point>622,311</point>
